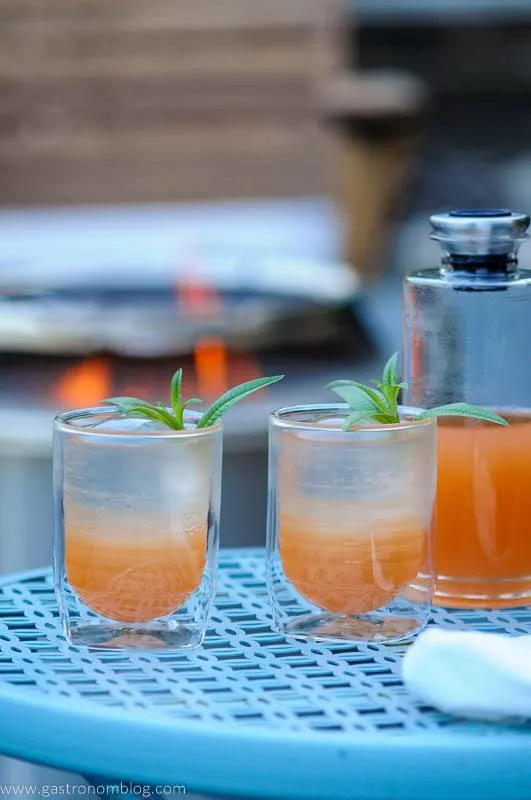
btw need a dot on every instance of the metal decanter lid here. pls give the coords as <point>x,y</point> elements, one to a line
<point>480,231</point>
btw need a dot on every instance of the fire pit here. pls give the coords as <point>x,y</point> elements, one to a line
<point>74,332</point>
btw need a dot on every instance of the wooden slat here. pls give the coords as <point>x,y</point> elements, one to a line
<point>170,99</point>
<point>184,14</point>
<point>109,106</point>
<point>246,141</point>
<point>160,53</point>
<point>113,177</point>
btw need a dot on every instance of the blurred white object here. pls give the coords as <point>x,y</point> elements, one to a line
<point>232,243</point>
<point>471,674</point>
<point>275,263</point>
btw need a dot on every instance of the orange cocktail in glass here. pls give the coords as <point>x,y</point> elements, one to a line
<point>136,528</point>
<point>483,543</point>
<point>132,568</point>
<point>350,567</point>
<point>349,527</point>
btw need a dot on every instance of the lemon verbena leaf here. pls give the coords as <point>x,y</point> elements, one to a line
<point>391,392</point>
<point>350,393</point>
<point>124,401</point>
<point>390,372</point>
<point>356,394</point>
<point>176,388</point>
<point>358,401</point>
<point>174,421</point>
<point>375,395</point>
<point>357,419</point>
<point>463,410</point>
<point>151,412</point>
<point>133,407</point>
<point>386,419</point>
<point>354,420</point>
<point>232,396</point>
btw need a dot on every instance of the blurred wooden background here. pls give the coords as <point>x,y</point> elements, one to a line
<point>135,100</point>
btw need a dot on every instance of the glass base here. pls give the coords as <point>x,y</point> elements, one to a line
<point>363,629</point>
<point>489,593</point>
<point>145,636</point>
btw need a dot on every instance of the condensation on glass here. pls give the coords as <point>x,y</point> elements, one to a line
<point>467,337</point>
<point>136,529</point>
<point>349,525</point>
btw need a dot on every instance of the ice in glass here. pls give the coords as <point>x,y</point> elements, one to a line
<point>349,524</point>
<point>137,510</point>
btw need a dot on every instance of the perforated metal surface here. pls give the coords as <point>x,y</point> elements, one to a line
<point>244,672</point>
<point>245,675</point>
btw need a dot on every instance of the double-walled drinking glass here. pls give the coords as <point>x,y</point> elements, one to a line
<point>136,528</point>
<point>349,525</point>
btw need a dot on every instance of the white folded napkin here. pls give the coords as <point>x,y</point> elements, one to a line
<point>471,674</point>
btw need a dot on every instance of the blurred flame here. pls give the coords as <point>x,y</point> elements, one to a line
<point>215,367</point>
<point>195,297</point>
<point>85,384</point>
<point>211,367</point>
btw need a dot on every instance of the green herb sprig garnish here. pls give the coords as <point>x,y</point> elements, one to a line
<point>380,404</point>
<point>174,417</point>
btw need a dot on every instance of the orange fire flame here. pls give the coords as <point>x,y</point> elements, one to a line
<point>215,367</point>
<point>211,367</point>
<point>85,384</point>
<point>196,298</point>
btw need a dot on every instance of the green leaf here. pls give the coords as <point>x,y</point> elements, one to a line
<point>232,396</point>
<point>359,402</point>
<point>390,372</point>
<point>349,392</point>
<point>172,421</point>
<point>345,388</point>
<point>133,407</point>
<point>387,419</point>
<point>176,387</point>
<point>463,410</point>
<point>124,401</point>
<point>355,420</point>
<point>364,408</point>
<point>150,412</point>
<point>391,392</point>
<point>381,404</point>
<point>159,415</point>
<point>376,396</point>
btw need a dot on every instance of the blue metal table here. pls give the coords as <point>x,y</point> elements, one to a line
<point>248,715</point>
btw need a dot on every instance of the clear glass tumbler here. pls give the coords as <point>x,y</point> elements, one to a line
<point>136,529</point>
<point>349,525</point>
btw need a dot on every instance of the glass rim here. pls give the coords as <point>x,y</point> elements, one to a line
<point>281,418</point>
<point>63,422</point>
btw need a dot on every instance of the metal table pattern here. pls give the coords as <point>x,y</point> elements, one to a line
<point>250,714</point>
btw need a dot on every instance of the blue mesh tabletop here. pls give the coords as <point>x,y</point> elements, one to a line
<point>250,714</point>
